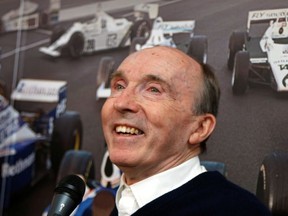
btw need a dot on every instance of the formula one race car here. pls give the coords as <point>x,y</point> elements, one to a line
<point>100,33</point>
<point>35,132</point>
<point>28,16</point>
<point>260,57</point>
<point>163,33</point>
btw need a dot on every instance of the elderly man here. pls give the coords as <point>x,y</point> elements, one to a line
<point>161,111</point>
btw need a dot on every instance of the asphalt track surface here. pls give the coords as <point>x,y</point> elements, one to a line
<point>249,126</point>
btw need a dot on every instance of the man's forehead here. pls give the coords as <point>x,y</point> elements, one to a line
<point>161,53</point>
<point>164,54</point>
<point>166,62</point>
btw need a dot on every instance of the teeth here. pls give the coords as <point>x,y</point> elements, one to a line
<point>128,130</point>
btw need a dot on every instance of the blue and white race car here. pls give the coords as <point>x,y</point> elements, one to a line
<point>259,55</point>
<point>35,132</point>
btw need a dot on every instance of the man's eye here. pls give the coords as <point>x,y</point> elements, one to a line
<point>154,89</point>
<point>119,87</point>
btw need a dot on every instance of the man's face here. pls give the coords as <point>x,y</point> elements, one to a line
<point>148,118</point>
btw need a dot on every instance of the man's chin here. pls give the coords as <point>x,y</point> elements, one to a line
<point>122,160</point>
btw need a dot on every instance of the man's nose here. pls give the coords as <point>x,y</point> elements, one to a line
<point>127,101</point>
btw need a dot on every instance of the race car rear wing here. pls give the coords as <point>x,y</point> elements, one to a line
<point>265,16</point>
<point>12,129</point>
<point>39,90</point>
<point>172,27</point>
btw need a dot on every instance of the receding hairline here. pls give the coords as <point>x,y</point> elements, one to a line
<point>171,53</point>
<point>168,50</point>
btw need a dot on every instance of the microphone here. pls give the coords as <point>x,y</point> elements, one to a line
<point>67,195</point>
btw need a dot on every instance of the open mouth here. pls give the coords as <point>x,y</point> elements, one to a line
<point>128,130</point>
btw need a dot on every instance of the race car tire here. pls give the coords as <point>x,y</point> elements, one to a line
<point>240,73</point>
<point>77,162</point>
<point>67,134</point>
<point>56,34</point>
<point>76,45</point>
<point>137,40</point>
<point>198,48</point>
<point>272,183</point>
<point>141,28</point>
<point>106,67</point>
<point>236,42</point>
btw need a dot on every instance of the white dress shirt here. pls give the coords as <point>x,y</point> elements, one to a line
<point>130,198</point>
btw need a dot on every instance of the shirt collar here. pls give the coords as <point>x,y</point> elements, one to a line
<point>155,186</point>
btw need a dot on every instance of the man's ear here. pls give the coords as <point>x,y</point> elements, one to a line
<point>205,125</point>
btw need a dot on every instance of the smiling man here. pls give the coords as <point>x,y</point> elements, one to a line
<point>161,111</point>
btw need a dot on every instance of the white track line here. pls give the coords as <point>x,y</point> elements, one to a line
<point>24,48</point>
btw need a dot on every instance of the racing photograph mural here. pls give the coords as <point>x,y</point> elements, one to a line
<point>56,61</point>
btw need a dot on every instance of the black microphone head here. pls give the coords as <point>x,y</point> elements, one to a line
<point>67,195</point>
<point>73,186</point>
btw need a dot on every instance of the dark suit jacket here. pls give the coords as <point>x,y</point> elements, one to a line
<point>208,194</point>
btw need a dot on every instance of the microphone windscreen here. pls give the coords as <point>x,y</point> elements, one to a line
<point>73,186</point>
<point>67,195</point>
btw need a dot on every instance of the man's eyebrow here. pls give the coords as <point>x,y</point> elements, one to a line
<point>160,80</point>
<point>152,77</point>
<point>146,78</point>
<point>116,74</point>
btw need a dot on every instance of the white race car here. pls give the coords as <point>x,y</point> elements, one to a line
<point>100,33</point>
<point>163,33</point>
<point>28,16</point>
<point>260,57</point>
